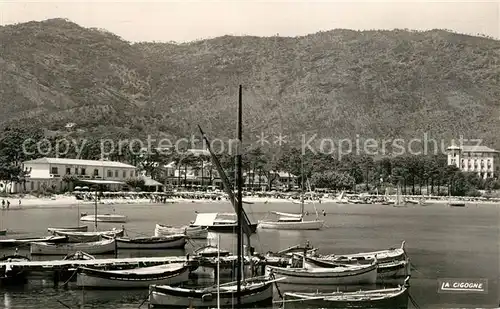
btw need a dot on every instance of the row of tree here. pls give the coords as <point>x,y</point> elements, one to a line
<point>413,173</point>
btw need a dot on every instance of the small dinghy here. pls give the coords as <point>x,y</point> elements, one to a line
<point>111,218</point>
<point>339,275</point>
<point>394,298</point>
<point>10,275</point>
<point>3,232</point>
<point>133,278</point>
<point>166,242</point>
<point>78,237</point>
<point>254,291</point>
<point>211,251</point>
<point>4,243</point>
<point>192,232</point>
<point>97,247</point>
<point>82,228</point>
<point>383,256</point>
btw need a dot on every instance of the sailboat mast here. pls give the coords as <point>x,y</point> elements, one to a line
<point>95,209</point>
<point>239,213</point>
<point>302,185</point>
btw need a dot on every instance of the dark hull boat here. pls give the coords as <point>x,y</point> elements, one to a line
<point>12,275</point>
<point>164,242</point>
<point>254,292</point>
<point>141,277</point>
<point>82,228</point>
<point>3,232</point>
<point>211,251</point>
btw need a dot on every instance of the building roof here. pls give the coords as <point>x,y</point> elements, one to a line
<point>466,148</point>
<point>102,182</point>
<point>65,161</point>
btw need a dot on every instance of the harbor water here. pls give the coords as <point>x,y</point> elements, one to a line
<point>442,242</point>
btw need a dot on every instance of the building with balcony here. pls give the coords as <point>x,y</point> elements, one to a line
<point>478,159</point>
<point>44,173</point>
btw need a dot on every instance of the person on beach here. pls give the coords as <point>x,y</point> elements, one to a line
<point>19,203</point>
<point>8,204</point>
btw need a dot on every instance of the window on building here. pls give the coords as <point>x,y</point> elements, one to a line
<point>68,170</point>
<point>110,173</point>
<point>32,184</point>
<point>124,174</point>
<point>116,173</point>
<point>54,170</point>
<point>83,171</point>
<point>96,172</point>
<point>131,173</point>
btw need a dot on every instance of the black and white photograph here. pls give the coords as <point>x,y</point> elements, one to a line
<point>249,154</point>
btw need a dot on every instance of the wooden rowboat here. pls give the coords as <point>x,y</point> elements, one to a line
<point>82,228</point>
<point>192,232</point>
<point>133,278</point>
<point>4,243</point>
<point>339,275</point>
<point>254,291</point>
<point>383,256</point>
<point>3,232</point>
<point>78,237</point>
<point>394,298</point>
<point>167,242</point>
<point>97,247</point>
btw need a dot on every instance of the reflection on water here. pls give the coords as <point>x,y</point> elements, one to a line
<point>442,243</point>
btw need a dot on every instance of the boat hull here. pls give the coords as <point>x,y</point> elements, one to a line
<point>6,243</point>
<point>326,276</point>
<point>228,228</point>
<point>82,228</point>
<point>168,242</point>
<point>99,247</point>
<point>105,218</point>
<point>363,299</point>
<point>3,232</point>
<point>165,296</point>
<point>303,225</point>
<point>97,279</point>
<point>192,232</point>
<point>78,237</point>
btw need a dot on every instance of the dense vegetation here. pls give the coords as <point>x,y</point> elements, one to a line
<point>415,174</point>
<point>380,84</point>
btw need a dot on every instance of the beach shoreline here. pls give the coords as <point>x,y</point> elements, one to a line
<point>65,201</point>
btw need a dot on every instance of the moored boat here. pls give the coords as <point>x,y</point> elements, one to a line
<point>382,256</point>
<point>219,222</point>
<point>339,275</point>
<point>166,242</point>
<point>79,256</point>
<point>287,222</point>
<point>3,232</point>
<point>192,232</point>
<point>82,228</point>
<point>12,274</point>
<point>253,291</point>
<point>111,218</point>
<point>211,251</point>
<point>395,298</point>
<point>97,247</point>
<point>78,237</point>
<point>23,241</point>
<point>140,277</point>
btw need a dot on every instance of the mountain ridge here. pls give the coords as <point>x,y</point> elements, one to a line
<point>337,84</point>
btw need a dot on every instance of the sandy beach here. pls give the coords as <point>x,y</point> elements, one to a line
<point>70,201</point>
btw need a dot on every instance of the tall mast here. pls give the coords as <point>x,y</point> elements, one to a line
<point>239,212</point>
<point>302,185</point>
<point>95,209</point>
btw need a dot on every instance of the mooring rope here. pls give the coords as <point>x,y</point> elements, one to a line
<point>63,304</point>
<point>145,300</point>
<point>413,301</point>
<point>74,273</point>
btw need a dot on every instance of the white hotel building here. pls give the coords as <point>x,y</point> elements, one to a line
<point>49,173</point>
<point>479,159</point>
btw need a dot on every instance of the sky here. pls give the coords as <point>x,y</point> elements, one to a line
<point>186,20</point>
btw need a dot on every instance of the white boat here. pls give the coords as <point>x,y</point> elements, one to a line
<point>380,298</point>
<point>253,291</point>
<point>105,218</point>
<point>140,277</point>
<point>382,256</point>
<point>23,241</point>
<point>192,232</point>
<point>219,222</point>
<point>78,237</point>
<point>340,275</point>
<point>166,242</point>
<point>82,228</point>
<point>97,247</point>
